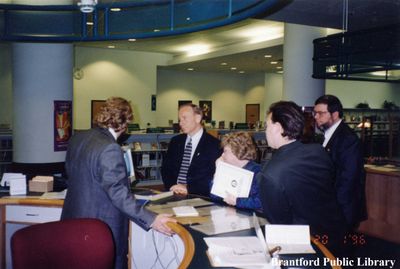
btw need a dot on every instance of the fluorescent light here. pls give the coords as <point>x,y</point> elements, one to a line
<point>195,49</point>
<point>89,23</point>
<point>156,30</point>
<point>111,47</point>
<point>233,68</point>
<point>190,69</point>
<point>115,9</point>
<point>274,62</point>
<point>267,56</point>
<point>223,63</point>
<point>132,39</point>
<point>241,72</point>
<point>279,67</point>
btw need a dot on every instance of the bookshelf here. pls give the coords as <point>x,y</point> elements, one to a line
<point>6,150</point>
<point>378,129</point>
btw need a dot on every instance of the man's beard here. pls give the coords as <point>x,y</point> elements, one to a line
<point>324,127</point>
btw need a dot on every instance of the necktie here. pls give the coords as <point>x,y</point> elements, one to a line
<point>185,163</point>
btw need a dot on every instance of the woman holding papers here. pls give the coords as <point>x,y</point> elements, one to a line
<point>239,150</point>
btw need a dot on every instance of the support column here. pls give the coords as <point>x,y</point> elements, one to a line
<point>298,84</point>
<point>42,73</point>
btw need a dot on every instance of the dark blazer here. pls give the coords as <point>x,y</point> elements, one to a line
<point>345,149</point>
<point>296,187</point>
<point>202,166</point>
<point>98,187</point>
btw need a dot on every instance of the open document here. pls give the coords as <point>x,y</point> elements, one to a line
<point>240,251</point>
<point>231,179</point>
<point>292,239</point>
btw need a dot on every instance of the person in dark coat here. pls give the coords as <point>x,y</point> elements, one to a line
<point>98,184</point>
<point>345,149</point>
<point>200,165</point>
<point>297,183</point>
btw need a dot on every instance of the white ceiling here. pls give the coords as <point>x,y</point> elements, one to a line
<point>234,44</point>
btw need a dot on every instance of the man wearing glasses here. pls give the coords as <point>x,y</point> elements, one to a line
<point>344,147</point>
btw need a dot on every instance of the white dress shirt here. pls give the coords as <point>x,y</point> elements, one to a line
<point>329,132</point>
<point>195,141</point>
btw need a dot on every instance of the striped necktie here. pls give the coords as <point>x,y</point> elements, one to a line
<point>185,163</point>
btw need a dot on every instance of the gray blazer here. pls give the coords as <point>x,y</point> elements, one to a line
<point>98,187</point>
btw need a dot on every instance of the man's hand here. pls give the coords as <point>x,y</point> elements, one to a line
<point>180,189</point>
<point>160,224</point>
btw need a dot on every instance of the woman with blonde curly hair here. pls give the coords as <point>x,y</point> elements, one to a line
<point>239,150</point>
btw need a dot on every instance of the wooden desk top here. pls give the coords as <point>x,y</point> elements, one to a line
<point>388,170</point>
<point>30,200</point>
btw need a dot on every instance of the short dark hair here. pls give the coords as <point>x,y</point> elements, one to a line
<point>290,117</point>
<point>332,102</point>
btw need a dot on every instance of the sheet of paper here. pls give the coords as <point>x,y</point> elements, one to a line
<point>185,211</point>
<point>18,185</point>
<point>231,179</point>
<point>54,195</point>
<point>293,239</point>
<point>235,251</point>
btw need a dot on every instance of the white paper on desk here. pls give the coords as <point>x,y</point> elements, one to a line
<point>7,177</point>
<point>54,195</point>
<point>293,239</point>
<point>231,179</point>
<point>185,211</point>
<point>235,251</point>
<point>18,185</point>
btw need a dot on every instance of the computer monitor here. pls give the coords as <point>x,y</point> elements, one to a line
<point>129,163</point>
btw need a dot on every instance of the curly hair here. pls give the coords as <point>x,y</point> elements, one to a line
<point>289,115</point>
<point>242,145</point>
<point>116,114</point>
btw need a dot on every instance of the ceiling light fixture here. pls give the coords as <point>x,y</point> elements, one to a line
<point>273,62</point>
<point>132,39</point>
<point>223,63</point>
<point>267,56</point>
<point>233,68</point>
<point>115,9</point>
<point>195,49</point>
<point>89,23</point>
<point>87,6</point>
<point>111,47</point>
<point>241,72</point>
<point>190,69</point>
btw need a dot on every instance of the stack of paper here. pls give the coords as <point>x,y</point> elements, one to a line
<point>185,211</point>
<point>16,182</point>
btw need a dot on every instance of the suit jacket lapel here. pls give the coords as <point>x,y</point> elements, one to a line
<point>334,136</point>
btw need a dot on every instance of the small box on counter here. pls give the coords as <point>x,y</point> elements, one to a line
<point>41,184</point>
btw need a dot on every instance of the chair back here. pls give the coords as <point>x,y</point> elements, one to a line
<point>65,244</point>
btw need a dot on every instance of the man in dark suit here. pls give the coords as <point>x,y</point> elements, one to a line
<point>191,172</point>
<point>296,184</point>
<point>98,184</point>
<point>344,147</point>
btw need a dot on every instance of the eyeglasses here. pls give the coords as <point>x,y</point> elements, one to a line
<point>319,113</point>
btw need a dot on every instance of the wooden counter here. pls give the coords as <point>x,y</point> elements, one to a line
<point>383,203</point>
<point>23,211</point>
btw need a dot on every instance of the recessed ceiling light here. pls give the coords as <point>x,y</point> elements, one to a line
<point>223,63</point>
<point>279,72</point>
<point>274,62</point>
<point>279,67</point>
<point>132,39</point>
<point>241,72</point>
<point>233,68</point>
<point>111,47</point>
<point>115,9</point>
<point>89,23</point>
<point>267,56</point>
<point>156,30</point>
<point>188,18</point>
<point>190,69</point>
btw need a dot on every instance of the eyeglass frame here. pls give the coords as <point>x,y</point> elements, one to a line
<point>319,113</point>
